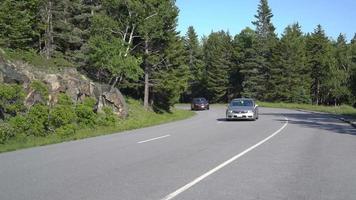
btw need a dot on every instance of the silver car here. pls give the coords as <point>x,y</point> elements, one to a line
<point>242,108</point>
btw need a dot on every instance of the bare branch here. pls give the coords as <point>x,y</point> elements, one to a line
<point>151,16</point>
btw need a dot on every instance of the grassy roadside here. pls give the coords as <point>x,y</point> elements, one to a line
<point>340,110</point>
<point>138,118</point>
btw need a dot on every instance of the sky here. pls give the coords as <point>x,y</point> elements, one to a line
<point>335,16</point>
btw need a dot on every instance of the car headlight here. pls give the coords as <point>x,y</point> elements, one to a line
<point>249,111</point>
<point>229,111</point>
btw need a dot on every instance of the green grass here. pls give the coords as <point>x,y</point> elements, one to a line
<point>340,110</point>
<point>138,118</point>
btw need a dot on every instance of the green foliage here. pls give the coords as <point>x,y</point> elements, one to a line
<point>86,117</point>
<point>64,99</point>
<point>11,99</point>
<point>247,72</point>
<point>195,63</point>
<point>38,118</point>
<point>6,132</point>
<point>292,77</point>
<point>20,124</point>
<point>260,68</point>
<point>108,118</point>
<point>172,80</point>
<point>66,130</point>
<point>111,55</point>
<point>320,64</point>
<point>17,19</point>
<point>353,67</point>
<point>218,58</point>
<point>62,115</point>
<point>139,118</point>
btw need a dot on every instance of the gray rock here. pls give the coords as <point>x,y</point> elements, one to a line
<point>68,81</point>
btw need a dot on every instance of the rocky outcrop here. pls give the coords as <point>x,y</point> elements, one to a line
<point>68,81</point>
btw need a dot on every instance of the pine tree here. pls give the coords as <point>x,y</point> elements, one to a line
<point>319,62</point>
<point>265,46</point>
<point>156,25</point>
<point>65,27</point>
<point>172,79</point>
<point>17,20</point>
<point>352,83</point>
<point>244,73</point>
<point>218,61</point>
<point>340,73</point>
<point>292,78</point>
<point>195,63</point>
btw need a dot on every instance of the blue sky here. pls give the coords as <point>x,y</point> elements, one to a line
<point>336,16</point>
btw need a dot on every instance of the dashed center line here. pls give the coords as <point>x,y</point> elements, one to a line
<point>157,138</point>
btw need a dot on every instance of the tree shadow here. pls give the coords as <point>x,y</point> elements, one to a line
<point>325,122</point>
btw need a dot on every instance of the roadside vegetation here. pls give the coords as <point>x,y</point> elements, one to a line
<point>339,110</point>
<point>42,125</point>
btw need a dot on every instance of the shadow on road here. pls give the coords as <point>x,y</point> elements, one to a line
<point>318,121</point>
<point>235,120</point>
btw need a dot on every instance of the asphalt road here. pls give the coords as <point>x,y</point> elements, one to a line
<point>310,156</point>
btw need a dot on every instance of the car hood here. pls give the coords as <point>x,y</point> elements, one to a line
<point>240,108</point>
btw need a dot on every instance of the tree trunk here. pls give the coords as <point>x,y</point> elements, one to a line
<point>146,92</point>
<point>317,92</point>
<point>48,32</point>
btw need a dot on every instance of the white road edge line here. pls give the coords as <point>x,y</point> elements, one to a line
<point>157,138</point>
<point>200,178</point>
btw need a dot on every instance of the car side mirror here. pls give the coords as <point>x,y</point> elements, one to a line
<point>256,105</point>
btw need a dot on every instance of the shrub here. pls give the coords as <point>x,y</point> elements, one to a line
<point>66,130</point>
<point>20,124</point>
<point>6,132</point>
<point>11,99</point>
<point>85,115</point>
<point>62,115</point>
<point>89,102</point>
<point>64,99</point>
<point>37,117</point>
<point>108,118</point>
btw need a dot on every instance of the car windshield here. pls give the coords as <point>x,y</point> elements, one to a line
<point>199,100</point>
<point>242,103</point>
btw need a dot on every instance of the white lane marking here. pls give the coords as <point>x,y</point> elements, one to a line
<point>200,178</point>
<point>157,138</point>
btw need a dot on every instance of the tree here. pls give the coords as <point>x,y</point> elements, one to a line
<point>156,24</point>
<point>218,61</point>
<point>353,68</point>
<point>109,54</point>
<point>340,72</point>
<point>195,63</point>
<point>114,29</point>
<point>291,76</point>
<point>265,46</point>
<point>65,27</point>
<point>17,19</point>
<point>243,77</point>
<point>172,79</point>
<point>319,61</point>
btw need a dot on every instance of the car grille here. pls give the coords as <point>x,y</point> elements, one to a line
<point>239,111</point>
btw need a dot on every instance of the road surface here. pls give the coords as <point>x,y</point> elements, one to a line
<point>284,155</point>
